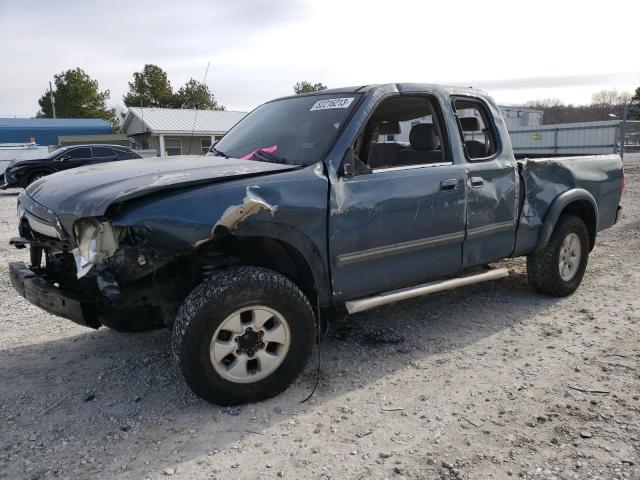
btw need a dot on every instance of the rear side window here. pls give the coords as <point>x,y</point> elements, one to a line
<point>78,153</point>
<point>102,152</point>
<point>476,132</point>
<point>125,154</point>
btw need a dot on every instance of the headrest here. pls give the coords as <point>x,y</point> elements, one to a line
<point>470,124</point>
<point>389,128</point>
<point>422,137</point>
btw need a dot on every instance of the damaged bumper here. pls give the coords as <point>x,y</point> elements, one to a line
<point>63,303</point>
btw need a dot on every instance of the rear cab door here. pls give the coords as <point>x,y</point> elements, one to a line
<point>491,181</point>
<point>398,218</point>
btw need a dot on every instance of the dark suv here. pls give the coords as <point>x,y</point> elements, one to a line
<point>20,173</point>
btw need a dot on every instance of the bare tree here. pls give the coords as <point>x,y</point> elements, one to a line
<point>604,105</point>
<point>610,99</point>
<point>626,98</point>
<point>545,103</point>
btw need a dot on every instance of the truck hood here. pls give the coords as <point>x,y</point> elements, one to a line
<point>88,191</point>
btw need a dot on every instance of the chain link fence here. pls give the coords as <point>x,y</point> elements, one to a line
<point>632,136</point>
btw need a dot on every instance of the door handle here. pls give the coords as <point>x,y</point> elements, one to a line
<point>449,184</point>
<point>477,182</point>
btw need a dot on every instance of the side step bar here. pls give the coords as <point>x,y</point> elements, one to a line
<point>363,304</point>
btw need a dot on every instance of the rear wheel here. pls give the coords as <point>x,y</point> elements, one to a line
<point>243,335</point>
<point>558,269</point>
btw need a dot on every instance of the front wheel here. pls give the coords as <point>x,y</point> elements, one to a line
<point>558,269</point>
<point>36,176</point>
<point>243,335</point>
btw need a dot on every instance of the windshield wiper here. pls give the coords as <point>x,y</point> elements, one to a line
<point>219,153</point>
<point>264,156</point>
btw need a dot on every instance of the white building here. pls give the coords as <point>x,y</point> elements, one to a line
<point>171,131</point>
<point>518,117</point>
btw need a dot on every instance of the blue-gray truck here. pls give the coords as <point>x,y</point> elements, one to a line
<point>308,209</point>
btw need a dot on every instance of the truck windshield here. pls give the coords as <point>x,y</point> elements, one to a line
<point>296,130</point>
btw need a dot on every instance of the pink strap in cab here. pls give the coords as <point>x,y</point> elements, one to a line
<point>267,149</point>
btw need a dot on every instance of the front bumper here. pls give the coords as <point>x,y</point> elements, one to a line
<point>7,181</point>
<point>50,298</point>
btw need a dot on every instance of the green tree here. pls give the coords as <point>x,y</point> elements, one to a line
<point>77,95</point>
<point>149,88</point>
<point>196,95</point>
<point>306,87</point>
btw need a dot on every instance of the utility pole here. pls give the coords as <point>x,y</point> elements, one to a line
<point>53,100</point>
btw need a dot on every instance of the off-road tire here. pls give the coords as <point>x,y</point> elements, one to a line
<point>542,267</point>
<point>211,302</point>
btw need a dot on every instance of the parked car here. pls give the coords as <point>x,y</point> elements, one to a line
<point>20,173</point>
<point>305,210</point>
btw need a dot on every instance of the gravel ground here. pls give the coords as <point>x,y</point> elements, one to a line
<point>489,381</point>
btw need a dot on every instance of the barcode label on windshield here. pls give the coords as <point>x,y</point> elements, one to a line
<point>332,103</point>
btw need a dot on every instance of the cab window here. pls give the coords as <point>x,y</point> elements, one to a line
<point>403,131</point>
<point>475,129</point>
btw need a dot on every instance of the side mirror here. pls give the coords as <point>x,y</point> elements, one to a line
<point>352,165</point>
<point>63,158</point>
<point>347,165</point>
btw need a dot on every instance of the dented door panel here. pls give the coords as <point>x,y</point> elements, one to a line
<point>395,228</point>
<point>492,210</point>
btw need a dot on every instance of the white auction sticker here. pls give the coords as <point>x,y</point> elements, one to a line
<point>332,103</point>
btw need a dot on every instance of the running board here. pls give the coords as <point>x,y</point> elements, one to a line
<point>363,304</point>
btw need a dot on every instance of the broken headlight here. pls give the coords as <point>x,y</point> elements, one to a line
<point>95,242</point>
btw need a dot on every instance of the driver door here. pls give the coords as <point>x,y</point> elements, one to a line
<point>74,157</point>
<point>404,223</point>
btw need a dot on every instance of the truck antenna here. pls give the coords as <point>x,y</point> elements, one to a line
<point>195,117</point>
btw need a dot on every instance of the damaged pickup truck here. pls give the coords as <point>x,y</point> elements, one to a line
<point>311,206</point>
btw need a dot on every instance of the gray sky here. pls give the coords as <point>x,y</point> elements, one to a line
<point>259,48</point>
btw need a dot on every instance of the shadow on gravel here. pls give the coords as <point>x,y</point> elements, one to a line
<point>104,391</point>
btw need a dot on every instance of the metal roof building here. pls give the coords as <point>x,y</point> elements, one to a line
<point>519,117</point>
<point>46,131</point>
<point>172,131</point>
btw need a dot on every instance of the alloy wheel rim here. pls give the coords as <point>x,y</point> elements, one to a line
<point>570,252</point>
<point>250,344</point>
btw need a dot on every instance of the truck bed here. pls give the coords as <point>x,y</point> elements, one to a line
<point>546,178</point>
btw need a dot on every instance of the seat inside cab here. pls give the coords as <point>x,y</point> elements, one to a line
<point>471,128</point>
<point>403,131</point>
